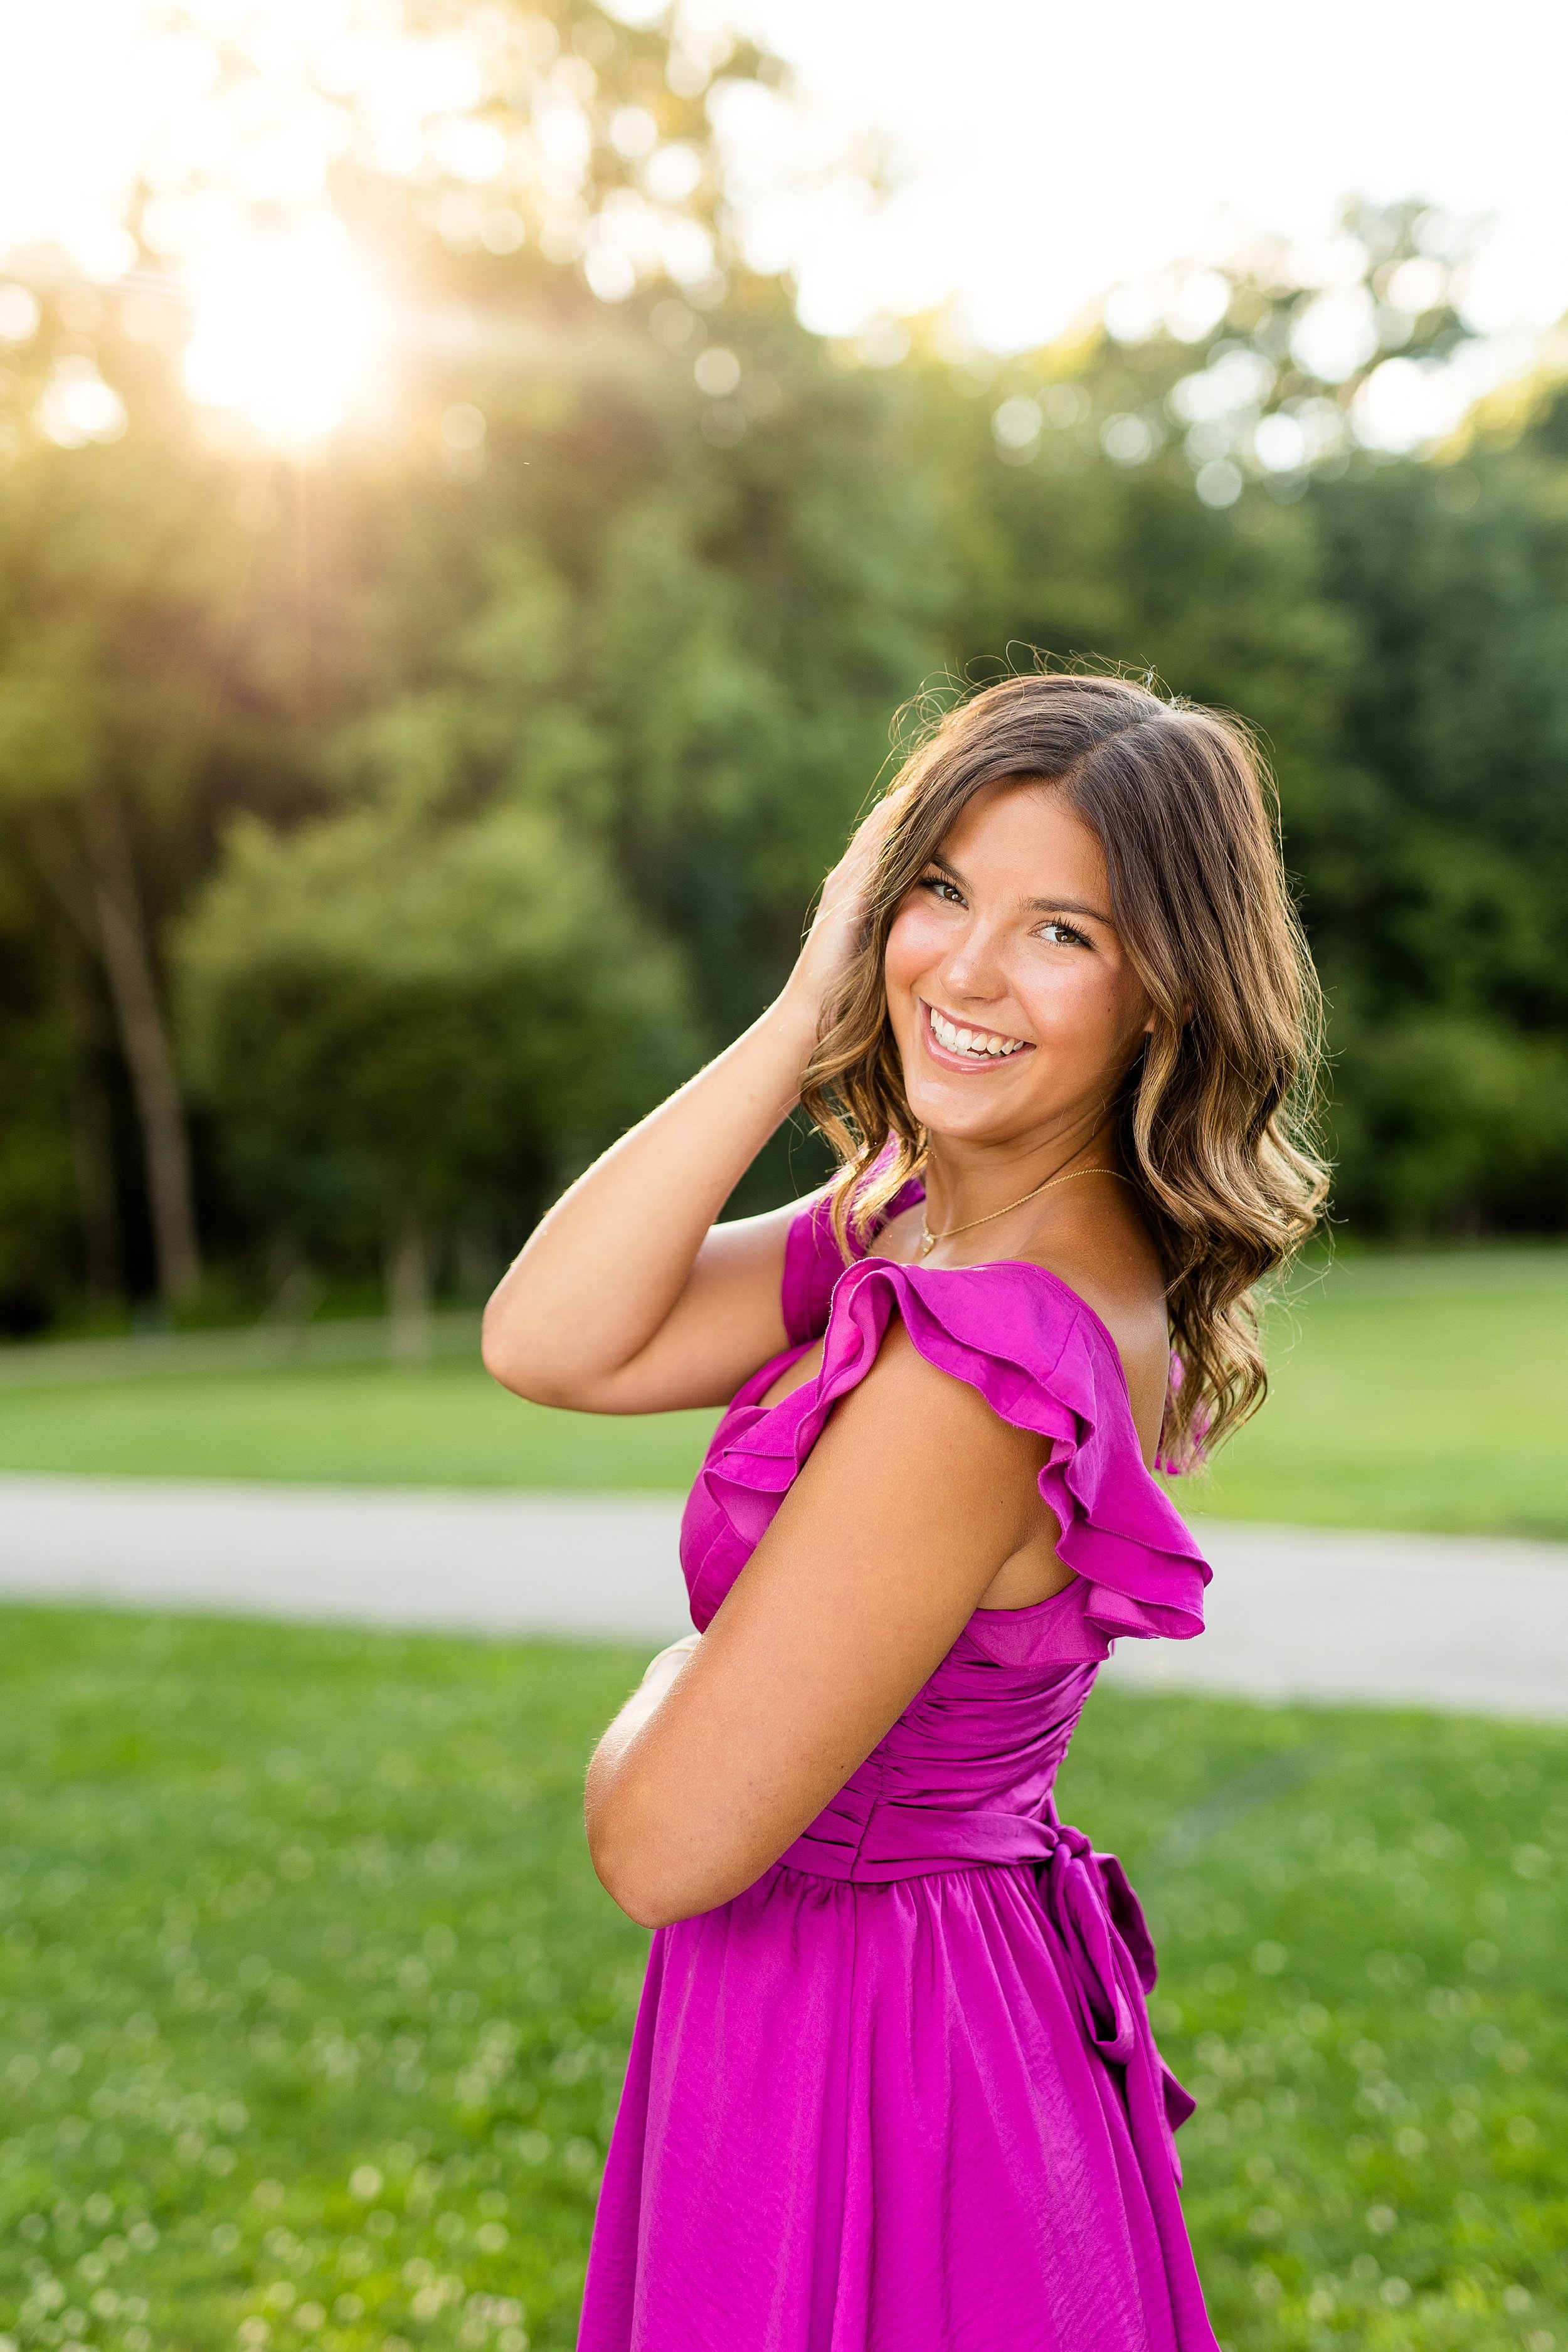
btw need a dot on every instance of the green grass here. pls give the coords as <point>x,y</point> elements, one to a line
<point>448,1425</point>
<point>1415,1393</point>
<point>312,2016</point>
<point>1423,1393</point>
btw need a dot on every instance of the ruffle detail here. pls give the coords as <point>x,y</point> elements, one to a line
<point>1044,1361</point>
<point>813,1266</point>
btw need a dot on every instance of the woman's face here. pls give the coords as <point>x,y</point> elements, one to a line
<point>1010,995</point>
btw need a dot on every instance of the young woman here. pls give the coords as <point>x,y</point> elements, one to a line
<point>893,2086</point>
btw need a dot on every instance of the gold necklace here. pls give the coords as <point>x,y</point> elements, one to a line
<point>929,1240</point>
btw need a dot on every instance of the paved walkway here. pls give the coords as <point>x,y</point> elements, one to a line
<point>1464,1622</point>
<point>1294,1613</point>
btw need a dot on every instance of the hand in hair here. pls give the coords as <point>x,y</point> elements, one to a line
<point>838,930</point>
<point>629,1297</point>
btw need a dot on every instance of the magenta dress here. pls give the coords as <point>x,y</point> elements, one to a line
<point>903,2095</point>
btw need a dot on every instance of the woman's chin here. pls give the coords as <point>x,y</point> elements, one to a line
<point>966,1109</point>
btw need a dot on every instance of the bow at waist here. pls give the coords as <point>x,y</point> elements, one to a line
<point>1097,1921</point>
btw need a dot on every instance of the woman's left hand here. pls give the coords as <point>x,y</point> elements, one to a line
<point>663,1668</point>
<point>840,922</point>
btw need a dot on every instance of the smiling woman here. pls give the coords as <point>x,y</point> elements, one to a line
<point>894,2087</point>
<point>1081,883</point>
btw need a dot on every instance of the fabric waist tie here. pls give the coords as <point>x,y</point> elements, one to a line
<point>1097,1921</point>
<point>891,1840</point>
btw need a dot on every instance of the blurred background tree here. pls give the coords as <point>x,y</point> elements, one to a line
<point>388,813</point>
<point>404,1029</point>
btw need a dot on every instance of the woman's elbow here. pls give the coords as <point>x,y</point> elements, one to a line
<point>655,1889</point>
<point>646,1896</point>
<point>642,1905</point>
<point>522,1369</point>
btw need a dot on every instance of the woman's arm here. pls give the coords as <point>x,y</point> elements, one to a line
<point>628,1298</point>
<point>913,1498</point>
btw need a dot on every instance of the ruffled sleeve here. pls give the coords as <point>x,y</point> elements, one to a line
<point>812,1264</point>
<point>1044,1361</point>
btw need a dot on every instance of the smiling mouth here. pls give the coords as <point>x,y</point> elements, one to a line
<point>980,1046</point>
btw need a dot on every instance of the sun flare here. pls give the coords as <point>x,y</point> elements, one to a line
<point>286,329</point>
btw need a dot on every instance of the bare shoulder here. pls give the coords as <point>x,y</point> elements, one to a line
<point>911,1441</point>
<point>901,1383</point>
<point>1103,1252</point>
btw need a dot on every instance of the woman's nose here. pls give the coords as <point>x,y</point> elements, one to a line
<point>974,968</point>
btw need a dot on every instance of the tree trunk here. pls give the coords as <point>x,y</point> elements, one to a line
<point>144,1039</point>
<point>92,1158</point>
<point>408,1288</point>
<point>92,1136</point>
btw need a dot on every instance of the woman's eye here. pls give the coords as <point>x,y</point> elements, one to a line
<point>941,888</point>
<point>1063,934</point>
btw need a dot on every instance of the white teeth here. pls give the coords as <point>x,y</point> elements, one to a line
<point>970,1041</point>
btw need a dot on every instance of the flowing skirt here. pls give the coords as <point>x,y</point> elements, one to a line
<point>870,2118</point>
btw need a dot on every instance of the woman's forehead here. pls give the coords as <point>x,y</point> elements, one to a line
<point>1025,832</point>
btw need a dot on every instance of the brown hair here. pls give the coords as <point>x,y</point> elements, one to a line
<point>1214,1117</point>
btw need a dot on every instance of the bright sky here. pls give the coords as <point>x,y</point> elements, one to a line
<point>1052,149</point>
<point>1040,152</point>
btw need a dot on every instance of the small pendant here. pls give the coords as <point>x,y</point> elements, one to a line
<point>928,1243</point>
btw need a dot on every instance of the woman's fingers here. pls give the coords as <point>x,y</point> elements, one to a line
<point>836,928</point>
<point>666,1658</point>
<point>866,842</point>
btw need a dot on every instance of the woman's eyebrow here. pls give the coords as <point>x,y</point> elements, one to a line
<point>1031,906</point>
<point>1065,907</point>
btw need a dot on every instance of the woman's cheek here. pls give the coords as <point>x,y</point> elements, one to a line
<point>1091,1018</point>
<point>1071,1011</point>
<point>915,944</point>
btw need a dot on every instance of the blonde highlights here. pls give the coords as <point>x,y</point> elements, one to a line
<point>1216,1118</point>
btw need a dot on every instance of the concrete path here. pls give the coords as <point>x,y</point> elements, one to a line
<point>472,1561</point>
<point>1464,1622</point>
<point>1294,1613</point>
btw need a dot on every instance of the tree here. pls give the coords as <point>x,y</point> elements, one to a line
<point>1439,902</point>
<point>646,567</point>
<point>115,571</point>
<point>400,1025</point>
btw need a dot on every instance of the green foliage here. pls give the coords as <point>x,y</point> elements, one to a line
<point>1436,889</point>
<point>390,1016</point>
<point>36,1178</point>
<point>314,2017</point>
<point>674,627</point>
<point>37,1190</point>
<point>1440,1118</point>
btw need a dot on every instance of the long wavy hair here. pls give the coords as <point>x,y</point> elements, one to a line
<point>1216,1118</point>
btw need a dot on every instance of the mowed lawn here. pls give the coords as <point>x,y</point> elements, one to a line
<point>1415,1392</point>
<point>313,2017</point>
<point>447,1424</point>
<point>1423,1393</point>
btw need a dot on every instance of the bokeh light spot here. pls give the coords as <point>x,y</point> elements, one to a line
<point>1218,483</point>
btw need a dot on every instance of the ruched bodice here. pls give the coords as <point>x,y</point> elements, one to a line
<point>964,1776</point>
<point>938,1962</point>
